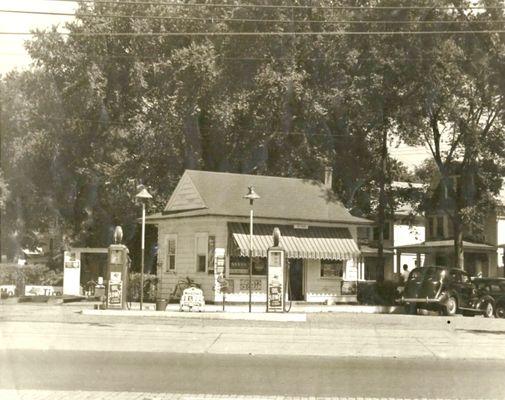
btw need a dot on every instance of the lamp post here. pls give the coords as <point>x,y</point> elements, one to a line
<point>251,196</point>
<point>143,195</point>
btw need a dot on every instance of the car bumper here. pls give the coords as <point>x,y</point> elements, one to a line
<point>426,300</point>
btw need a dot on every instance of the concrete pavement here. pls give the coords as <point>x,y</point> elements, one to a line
<point>107,395</point>
<point>445,341</point>
<point>258,375</point>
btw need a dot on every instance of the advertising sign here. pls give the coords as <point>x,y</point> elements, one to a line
<point>115,295</point>
<point>71,273</point>
<point>220,284</point>
<point>275,281</point>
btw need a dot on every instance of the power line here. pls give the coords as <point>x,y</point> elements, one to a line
<point>250,34</point>
<point>276,6</point>
<point>252,59</point>
<point>213,19</point>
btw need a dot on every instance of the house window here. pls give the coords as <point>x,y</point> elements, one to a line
<point>440,227</point>
<point>431,226</point>
<point>385,233</point>
<point>332,268</point>
<point>171,251</point>
<point>450,228</point>
<point>363,234</point>
<point>201,251</point>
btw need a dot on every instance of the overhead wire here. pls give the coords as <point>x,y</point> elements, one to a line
<point>278,6</point>
<point>217,19</point>
<point>251,34</point>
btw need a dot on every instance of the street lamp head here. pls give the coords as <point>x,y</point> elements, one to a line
<point>143,195</point>
<point>251,194</point>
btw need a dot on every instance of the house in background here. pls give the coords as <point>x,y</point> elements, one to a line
<point>406,227</point>
<point>482,253</point>
<point>207,211</point>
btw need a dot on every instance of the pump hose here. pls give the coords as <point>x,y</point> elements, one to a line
<point>288,284</point>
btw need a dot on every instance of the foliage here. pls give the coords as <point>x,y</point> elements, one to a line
<point>383,293</point>
<point>11,274</point>
<point>150,287</point>
<point>98,116</point>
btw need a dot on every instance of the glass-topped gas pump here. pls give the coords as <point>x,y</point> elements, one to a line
<point>276,286</point>
<point>117,273</point>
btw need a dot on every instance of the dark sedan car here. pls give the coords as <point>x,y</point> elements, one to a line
<point>446,290</point>
<point>494,287</point>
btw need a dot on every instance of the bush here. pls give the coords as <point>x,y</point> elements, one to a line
<point>37,274</point>
<point>150,287</point>
<point>377,293</point>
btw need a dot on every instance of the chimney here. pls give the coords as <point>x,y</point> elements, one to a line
<point>328,177</point>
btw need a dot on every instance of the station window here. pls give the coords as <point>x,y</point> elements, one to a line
<point>171,251</point>
<point>201,251</point>
<point>332,268</point>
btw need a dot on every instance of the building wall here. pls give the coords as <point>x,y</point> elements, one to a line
<point>185,258</point>
<point>315,287</point>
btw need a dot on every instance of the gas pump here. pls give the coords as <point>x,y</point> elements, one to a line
<point>276,289</point>
<point>117,276</point>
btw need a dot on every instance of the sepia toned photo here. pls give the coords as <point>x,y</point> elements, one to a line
<point>258,199</point>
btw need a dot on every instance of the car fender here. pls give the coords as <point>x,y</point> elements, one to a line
<point>483,300</point>
<point>500,300</point>
<point>450,293</point>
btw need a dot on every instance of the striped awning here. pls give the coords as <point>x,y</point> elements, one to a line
<point>311,242</point>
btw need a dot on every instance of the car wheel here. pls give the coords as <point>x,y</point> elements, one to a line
<point>488,309</point>
<point>451,306</point>
<point>500,311</point>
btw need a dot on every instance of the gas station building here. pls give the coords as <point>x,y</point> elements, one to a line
<point>207,211</point>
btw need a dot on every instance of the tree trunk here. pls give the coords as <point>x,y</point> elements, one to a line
<point>381,211</point>
<point>458,243</point>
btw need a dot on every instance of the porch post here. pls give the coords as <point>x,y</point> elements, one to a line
<point>398,261</point>
<point>418,259</point>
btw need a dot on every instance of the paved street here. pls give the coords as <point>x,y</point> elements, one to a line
<point>56,348</point>
<point>251,374</point>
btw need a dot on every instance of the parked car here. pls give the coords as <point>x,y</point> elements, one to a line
<point>494,287</point>
<point>446,290</point>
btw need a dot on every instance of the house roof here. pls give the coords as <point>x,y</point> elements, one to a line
<point>217,193</point>
<point>447,244</point>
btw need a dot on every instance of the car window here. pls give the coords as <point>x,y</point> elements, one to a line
<point>415,275</point>
<point>454,275</point>
<point>495,288</point>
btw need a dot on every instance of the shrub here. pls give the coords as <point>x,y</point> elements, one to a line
<point>37,274</point>
<point>150,287</point>
<point>377,293</point>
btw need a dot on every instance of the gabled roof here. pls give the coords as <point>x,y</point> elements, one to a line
<point>218,193</point>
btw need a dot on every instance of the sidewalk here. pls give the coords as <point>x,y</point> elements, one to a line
<point>298,312</point>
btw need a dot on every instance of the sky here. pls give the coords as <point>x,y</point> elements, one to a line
<point>14,56</point>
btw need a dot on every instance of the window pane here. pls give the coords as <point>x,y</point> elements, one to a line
<point>171,246</point>
<point>202,261</point>
<point>171,262</point>
<point>332,269</point>
<point>201,245</point>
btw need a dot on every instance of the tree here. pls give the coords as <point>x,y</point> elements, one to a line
<point>458,113</point>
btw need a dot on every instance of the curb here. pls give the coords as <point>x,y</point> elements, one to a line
<point>277,317</point>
